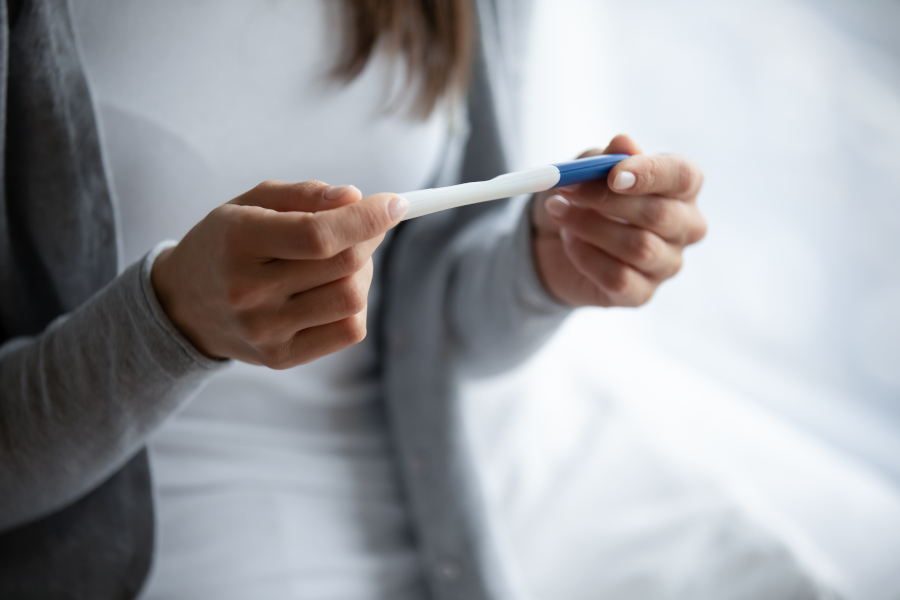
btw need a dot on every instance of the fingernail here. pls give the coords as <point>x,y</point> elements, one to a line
<point>334,192</point>
<point>397,207</point>
<point>557,206</point>
<point>570,189</point>
<point>624,180</point>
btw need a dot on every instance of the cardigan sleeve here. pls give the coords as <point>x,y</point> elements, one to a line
<point>78,400</point>
<point>500,312</point>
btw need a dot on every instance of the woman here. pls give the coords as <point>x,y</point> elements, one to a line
<point>321,461</point>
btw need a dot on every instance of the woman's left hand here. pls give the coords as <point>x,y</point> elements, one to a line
<point>612,242</point>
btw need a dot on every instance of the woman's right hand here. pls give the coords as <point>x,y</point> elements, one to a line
<point>280,275</point>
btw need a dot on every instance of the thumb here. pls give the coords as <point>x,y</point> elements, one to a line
<point>306,196</point>
<point>621,144</point>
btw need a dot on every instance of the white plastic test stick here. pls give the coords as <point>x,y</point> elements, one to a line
<point>538,179</point>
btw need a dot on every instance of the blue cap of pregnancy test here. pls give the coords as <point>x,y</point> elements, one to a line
<point>586,169</point>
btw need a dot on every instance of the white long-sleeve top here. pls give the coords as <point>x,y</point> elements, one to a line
<point>268,484</point>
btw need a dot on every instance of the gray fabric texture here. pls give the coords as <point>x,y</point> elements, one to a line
<point>90,365</point>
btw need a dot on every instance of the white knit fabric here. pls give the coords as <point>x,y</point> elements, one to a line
<point>269,484</point>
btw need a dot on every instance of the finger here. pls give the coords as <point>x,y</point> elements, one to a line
<point>265,234</point>
<point>639,248</point>
<point>270,325</point>
<point>289,277</point>
<point>306,196</point>
<point>327,303</point>
<point>677,222</point>
<point>278,280</point>
<point>618,284</point>
<point>316,342</point>
<point>665,174</point>
<point>621,144</point>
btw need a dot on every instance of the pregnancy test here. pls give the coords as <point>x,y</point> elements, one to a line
<point>538,179</point>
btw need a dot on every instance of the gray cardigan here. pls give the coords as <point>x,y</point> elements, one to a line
<point>90,365</point>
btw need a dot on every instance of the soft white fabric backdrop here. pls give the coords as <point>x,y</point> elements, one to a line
<point>637,454</point>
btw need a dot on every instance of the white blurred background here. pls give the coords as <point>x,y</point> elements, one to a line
<point>740,435</point>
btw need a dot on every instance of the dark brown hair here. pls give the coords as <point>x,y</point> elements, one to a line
<point>435,37</point>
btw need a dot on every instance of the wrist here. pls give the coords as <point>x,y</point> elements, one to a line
<point>159,278</point>
<point>162,278</point>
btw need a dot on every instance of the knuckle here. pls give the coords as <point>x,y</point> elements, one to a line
<point>276,357</point>
<point>689,177</point>
<point>354,330</point>
<point>239,294</point>
<point>319,238</point>
<point>641,247</point>
<point>698,232</point>
<point>259,190</point>
<point>657,213</point>
<point>268,184</point>
<point>645,296</point>
<point>353,296</point>
<point>252,329</point>
<point>233,226</point>
<point>676,266</point>
<point>601,297</point>
<point>221,212</point>
<point>617,279</point>
<point>351,260</point>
